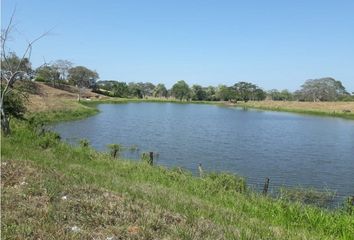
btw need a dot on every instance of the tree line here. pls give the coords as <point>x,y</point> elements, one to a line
<point>323,89</point>
<point>182,91</point>
<point>64,72</point>
<point>61,72</point>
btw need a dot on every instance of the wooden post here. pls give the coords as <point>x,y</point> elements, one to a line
<point>200,170</point>
<point>151,160</point>
<point>266,185</point>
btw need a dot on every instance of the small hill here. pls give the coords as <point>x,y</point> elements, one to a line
<point>48,98</point>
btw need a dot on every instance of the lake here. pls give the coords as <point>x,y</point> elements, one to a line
<point>290,149</point>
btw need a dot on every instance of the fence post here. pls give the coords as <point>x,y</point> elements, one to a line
<point>151,160</point>
<point>200,170</point>
<point>266,185</point>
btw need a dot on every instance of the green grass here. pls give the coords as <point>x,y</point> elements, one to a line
<point>80,112</point>
<point>51,190</point>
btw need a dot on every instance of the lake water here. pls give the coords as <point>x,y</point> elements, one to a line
<point>290,149</point>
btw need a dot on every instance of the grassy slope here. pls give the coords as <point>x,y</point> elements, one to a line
<point>118,199</point>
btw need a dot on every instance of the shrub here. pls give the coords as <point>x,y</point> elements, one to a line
<point>217,182</point>
<point>40,79</point>
<point>145,157</point>
<point>49,139</point>
<point>115,149</point>
<point>84,143</point>
<point>349,205</point>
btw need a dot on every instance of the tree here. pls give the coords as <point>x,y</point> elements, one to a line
<point>160,91</point>
<point>180,90</point>
<point>82,77</point>
<point>245,91</point>
<point>323,89</point>
<point>147,89</point>
<point>286,95</point>
<point>224,93</point>
<point>198,93</point>
<point>135,90</point>
<point>12,63</point>
<point>274,94</point>
<point>283,95</point>
<point>259,94</point>
<point>120,89</point>
<point>210,93</point>
<point>47,73</point>
<point>13,69</point>
<point>63,66</point>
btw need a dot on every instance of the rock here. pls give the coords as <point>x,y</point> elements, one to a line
<point>75,229</point>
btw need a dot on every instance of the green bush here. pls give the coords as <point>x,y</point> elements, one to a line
<point>349,205</point>
<point>84,143</point>
<point>145,157</point>
<point>40,79</point>
<point>115,149</point>
<point>49,139</point>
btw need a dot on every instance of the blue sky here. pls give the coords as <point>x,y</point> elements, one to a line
<point>275,43</point>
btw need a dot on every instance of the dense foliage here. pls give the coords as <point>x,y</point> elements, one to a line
<point>82,77</point>
<point>323,89</point>
<point>13,64</point>
<point>181,90</point>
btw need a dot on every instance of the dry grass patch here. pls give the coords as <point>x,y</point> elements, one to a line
<point>54,99</point>
<point>329,107</point>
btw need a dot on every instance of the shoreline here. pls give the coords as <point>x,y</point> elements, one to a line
<point>275,106</point>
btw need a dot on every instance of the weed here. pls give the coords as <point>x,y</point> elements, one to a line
<point>84,143</point>
<point>115,149</point>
